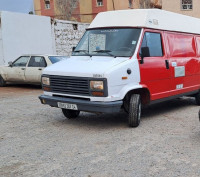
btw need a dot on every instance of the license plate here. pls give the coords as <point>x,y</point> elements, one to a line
<point>67,106</point>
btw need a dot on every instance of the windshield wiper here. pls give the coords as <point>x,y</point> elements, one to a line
<point>84,51</point>
<point>105,51</point>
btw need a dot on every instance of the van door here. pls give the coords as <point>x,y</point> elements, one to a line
<point>155,71</point>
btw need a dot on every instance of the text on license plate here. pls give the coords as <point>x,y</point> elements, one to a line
<point>67,106</point>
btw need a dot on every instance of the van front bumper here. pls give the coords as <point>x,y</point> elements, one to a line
<point>83,105</point>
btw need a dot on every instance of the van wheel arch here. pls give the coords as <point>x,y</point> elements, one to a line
<point>144,94</point>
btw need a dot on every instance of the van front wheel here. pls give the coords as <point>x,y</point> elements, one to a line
<point>70,114</point>
<point>134,110</point>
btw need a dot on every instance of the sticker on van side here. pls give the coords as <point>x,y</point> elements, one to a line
<point>179,71</point>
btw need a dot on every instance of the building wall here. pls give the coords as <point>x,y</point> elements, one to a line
<point>37,7</point>
<point>175,6</point>
<point>118,4</point>
<point>76,14</point>
<point>96,9</point>
<point>47,12</point>
<point>86,11</point>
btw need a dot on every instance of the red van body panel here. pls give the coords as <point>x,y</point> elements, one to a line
<point>198,45</point>
<point>182,52</point>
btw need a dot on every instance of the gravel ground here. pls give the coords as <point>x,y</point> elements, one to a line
<point>37,140</point>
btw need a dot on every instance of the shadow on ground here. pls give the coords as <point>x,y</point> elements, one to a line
<point>120,119</point>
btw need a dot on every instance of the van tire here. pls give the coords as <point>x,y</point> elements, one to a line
<point>197,98</point>
<point>70,114</point>
<point>2,82</point>
<point>134,110</point>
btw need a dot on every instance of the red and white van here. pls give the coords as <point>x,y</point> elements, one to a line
<point>126,59</point>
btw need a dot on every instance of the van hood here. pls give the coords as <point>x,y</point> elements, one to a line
<point>84,66</point>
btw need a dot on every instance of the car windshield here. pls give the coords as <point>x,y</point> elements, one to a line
<point>55,59</point>
<point>118,42</point>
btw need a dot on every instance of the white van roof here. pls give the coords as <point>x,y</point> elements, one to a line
<point>148,18</point>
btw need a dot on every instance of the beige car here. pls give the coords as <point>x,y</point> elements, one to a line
<point>27,69</point>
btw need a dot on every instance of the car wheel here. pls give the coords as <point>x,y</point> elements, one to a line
<point>2,82</point>
<point>70,114</point>
<point>134,114</point>
<point>197,98</point>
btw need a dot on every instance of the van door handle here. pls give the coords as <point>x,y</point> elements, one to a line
<point>167,64</point>
<point>40,69</point>
<point>23,68</point>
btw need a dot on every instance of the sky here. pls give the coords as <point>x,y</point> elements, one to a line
<point>23,6</point>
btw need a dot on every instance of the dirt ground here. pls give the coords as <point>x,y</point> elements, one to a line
<point>37,140</point>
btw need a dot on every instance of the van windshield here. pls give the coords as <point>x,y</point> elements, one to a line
<point>116,42</point>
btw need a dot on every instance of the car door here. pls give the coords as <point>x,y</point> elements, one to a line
<point>155,70</point>
<point>34,69</point>
<point>16,72</point>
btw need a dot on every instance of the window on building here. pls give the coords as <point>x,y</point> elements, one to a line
<point>186,4</point>
<point>99,2</point>
<point>47,4</point>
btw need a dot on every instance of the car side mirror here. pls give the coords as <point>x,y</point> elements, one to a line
<point>144,53</point>
<point>10,63</point>
<point>73,48</point>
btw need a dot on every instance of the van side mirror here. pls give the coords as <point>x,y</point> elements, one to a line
<point>144,53</point>
<point>73,48</point>
<point>10,63</point>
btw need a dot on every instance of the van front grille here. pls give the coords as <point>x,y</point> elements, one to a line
<point>70,85</point>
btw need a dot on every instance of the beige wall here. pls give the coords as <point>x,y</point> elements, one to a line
<point>85,10</point>
<point>37,7</point>
<point>175,6</point>
<point>119,4</point>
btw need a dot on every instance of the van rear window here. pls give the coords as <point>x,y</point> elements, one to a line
<point>181,45</point>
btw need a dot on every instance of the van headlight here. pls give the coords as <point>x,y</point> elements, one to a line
<point>96,85</point>
<point>45,81</point>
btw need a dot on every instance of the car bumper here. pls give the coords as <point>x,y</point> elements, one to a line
<point>83,105</point>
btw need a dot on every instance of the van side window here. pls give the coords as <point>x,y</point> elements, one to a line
<point>154,42</point>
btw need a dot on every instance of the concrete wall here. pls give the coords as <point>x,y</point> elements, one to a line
<point>25,34</point>
<point>66,36</point>
<point>175,6</point>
